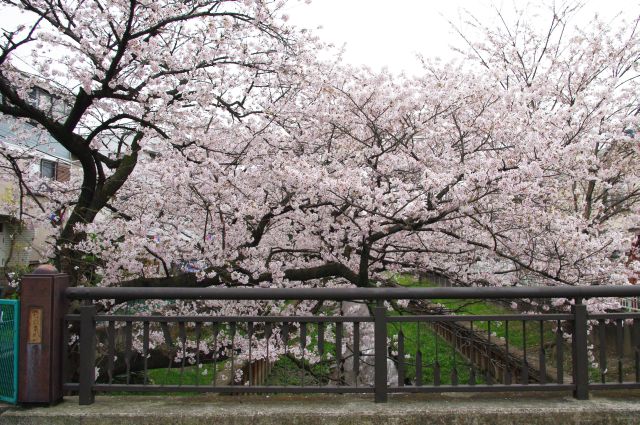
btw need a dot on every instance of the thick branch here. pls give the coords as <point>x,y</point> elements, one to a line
<point>189,280</point>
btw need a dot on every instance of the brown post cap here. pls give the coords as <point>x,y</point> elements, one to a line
<point>45,269</point>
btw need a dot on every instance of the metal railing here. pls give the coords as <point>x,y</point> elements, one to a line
<point>9,329</point>
<point>379,351</point>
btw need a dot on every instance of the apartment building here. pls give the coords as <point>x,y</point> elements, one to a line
<point>22,244</point>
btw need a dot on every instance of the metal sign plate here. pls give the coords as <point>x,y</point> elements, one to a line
<point>35,325</point>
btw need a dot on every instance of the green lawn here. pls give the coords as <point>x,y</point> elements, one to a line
<point>517,334</point>
<point>435,351</point>
<point>190,375</point>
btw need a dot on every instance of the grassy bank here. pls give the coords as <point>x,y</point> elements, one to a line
<point>518,335</point>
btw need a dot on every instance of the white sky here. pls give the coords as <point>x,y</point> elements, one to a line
<point>390,33</point>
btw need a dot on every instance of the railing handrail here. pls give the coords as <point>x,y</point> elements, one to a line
<point>345,294</point>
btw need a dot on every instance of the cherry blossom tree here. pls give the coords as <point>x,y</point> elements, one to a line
<point>577,85</point>
<point>264,167</point>
<point>133,75</point>
<point>479,176</point>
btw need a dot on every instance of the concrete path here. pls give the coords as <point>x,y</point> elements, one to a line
<point>458,409</point>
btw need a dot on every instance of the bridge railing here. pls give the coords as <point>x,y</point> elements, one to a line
<point>378,340</point>
<point>9,330</point>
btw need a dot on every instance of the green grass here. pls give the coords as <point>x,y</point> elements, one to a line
<point>190,375</point>
<point>434,349</point>
<point>518,336</point>
<point>285,372</point>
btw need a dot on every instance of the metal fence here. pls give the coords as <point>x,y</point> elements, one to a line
<point>380,352</point>
<point>9,326</point>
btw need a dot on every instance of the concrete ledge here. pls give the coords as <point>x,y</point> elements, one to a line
<point>458,409</point>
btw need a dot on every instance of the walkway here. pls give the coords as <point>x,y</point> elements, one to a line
<point>458,409</point>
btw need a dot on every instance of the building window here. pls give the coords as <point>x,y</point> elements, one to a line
<point>48,169</point>
<point>33,97</point>
<point>50,104</point>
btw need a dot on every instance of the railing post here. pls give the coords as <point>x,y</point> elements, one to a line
<point>87,353</point>
<point>42,347</point>
<point>380,337</point>
<point>580,351</point>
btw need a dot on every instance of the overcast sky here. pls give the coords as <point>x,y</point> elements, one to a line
<point>391,33</point>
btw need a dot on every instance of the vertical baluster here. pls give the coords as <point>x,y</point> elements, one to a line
<point>559,353</point>
<point>602,334</point>
<point>86,369</point>
<point>303,345</point>
<point>66,375</point>
<point>472,372</point>
<point>169,341</point>
<point>183,340</point>
<point>167,335</point>
<point>321,339</point>
<point>339,365</point>
<point>487,373</point>
<point>284,334</point>
<point>401,360</point>
<point>216,330</point>
<point>525,363</point>
<point>579,349</point>
<point>232,334</point>
<point>507,372</point>
<point>381,352</point>
<point>198,364</point>
<point>436,364</point>
<point>320,344</point>
<point>145,350</point>
<point>250,335</point>
<point>636,347</point>
<point>127,349</point>
<point>454,367</point>
<point>356,352</point>
<point>111,338</point>
<point>418,358</point>
<point>419,368</point>
<point>543,356</point>
<point>620,348</point>
<point>268,329</point>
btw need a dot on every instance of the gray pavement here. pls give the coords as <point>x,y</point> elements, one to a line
<point>458,409</point>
